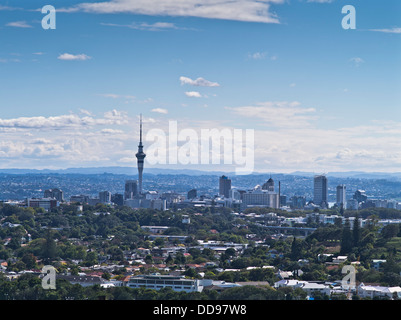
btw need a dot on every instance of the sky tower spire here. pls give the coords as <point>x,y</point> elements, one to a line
<point>140,157</point>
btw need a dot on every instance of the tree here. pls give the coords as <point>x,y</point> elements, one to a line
<point>356,232</point>
<point>390,231</point>
<point>251,293</point>
<point>169,260</point>
<point>342,209</point>
<point>296,249</point>
<point>346,238</point>
<point>29,260</point>
<point>49,247</point>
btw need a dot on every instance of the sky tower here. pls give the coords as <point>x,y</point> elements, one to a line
<point>140,156</point>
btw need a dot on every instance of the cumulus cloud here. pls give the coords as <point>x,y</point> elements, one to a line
<point>278,113</point>
<point>73,57</point>
<point>111,131</point>
<point>193,94</point>
<point>199,82</point>
<point>257,55</point>
<point>238,10</point>
<point>160,110</point>
<point>70,140</point>
<point>19,24</point>
<point>289,137</point>
<point>113,117</point>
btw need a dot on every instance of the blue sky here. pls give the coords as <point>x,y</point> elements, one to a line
<point>320,98</point>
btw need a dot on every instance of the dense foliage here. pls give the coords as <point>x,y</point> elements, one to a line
<point>70,240</point>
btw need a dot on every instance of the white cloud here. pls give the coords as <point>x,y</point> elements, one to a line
<point>238,10</point>
<point>160,110</point>
<point>113,117</point>
<point>19,24</point>
<point>71,57</point>
<point>4,8</point>
<point>257,55</point>
<point>128,160</point>
<point>287,139</point>
<point>199,82</point>
<point>157,26</point>
<point>110,95</point>
<point>278,113</point>
<point>9,60</point>
<point>118,96</point>
<point>86,112</point>
<point>193,94</point>
<point>392,30</point>
<point>320,149</point>
<point>321,1</point>
<point>357,61</point>
<point>73,140</point>
<point>111,131</point>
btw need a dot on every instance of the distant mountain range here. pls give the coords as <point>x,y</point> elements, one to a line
<point>191,172</point>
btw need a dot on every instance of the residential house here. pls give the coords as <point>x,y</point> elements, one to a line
<point>376,263</point>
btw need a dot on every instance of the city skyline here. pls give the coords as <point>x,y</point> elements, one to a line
<point>320,98</point>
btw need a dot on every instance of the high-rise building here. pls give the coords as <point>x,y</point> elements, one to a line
<point>269,185</point>
<point>140,158</point>
<point>341,196</point>
<point>45,203</point>
<point>320,191</point>
<point>235,194</point>
<point>298,202</point>
<point>260,198</point>
<point>224,186</point>
<point>55,194</point>
<point>79,199</point>
<point>192,194</point>
<point>283,201</point>
<point>360,196</point>
<point>131,189</point>
<point>105,197</point>
<point>117,199</point>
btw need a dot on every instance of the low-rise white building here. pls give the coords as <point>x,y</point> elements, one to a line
<point>157,282</point>
<point>340,259</point>
<point>311,288</point>
<point>378,291</point>
<point>286,283</point>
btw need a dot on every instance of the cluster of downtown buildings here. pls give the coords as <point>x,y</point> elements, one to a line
<point>266,195</point>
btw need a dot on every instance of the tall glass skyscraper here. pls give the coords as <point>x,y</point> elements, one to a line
<point>341,195</point>
<point>224,186</point>
<point>320,191</point>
